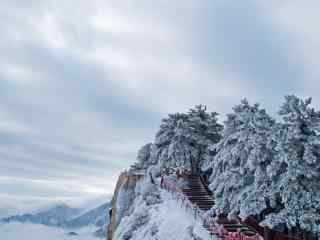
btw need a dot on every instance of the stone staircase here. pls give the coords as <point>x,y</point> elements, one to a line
<point>197,193</point>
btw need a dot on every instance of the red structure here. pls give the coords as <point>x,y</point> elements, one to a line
<point>197,198</point>
<point>200,203</point>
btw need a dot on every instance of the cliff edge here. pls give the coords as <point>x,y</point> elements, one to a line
<point>123,198</point>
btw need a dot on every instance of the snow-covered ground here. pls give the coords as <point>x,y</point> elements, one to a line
<point>167,220</point>
<point>175,221</point>
<point>19,231</point>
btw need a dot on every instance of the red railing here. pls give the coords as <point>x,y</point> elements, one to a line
<point>228,231</point>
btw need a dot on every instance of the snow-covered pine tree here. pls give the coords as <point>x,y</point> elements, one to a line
<point>295,172</point>
<point>164,138</point>
<point>204,130</point>
<point>183,138</point>
<point>239,180</point>
<point>143,157</point>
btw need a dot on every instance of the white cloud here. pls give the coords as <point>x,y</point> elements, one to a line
<point>83,85</point>
<point>19,231</point>
<point>299,20</point>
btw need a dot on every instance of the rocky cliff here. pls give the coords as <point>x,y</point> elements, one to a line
<point>142,210</point>
<point>123,198</point>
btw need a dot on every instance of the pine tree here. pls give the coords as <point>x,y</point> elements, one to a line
<point>239,180</point>
<point>165,139</point>
<point>204,130</point>
<point>183,138</point>
<point>144,157</point>
<point>295,172</point>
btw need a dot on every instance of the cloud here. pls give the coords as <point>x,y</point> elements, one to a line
<point>299,21</point>
<point>83,86</point>
<point>16,231</point>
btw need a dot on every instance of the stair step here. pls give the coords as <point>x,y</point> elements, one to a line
<point>197,195</point>
<point>196,192</point>
<point>200,197</point>
<point>204,203</point>
<point>201,200</point>
<point>193,189</point>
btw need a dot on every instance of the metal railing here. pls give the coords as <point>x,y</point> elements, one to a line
<point>230,232</point>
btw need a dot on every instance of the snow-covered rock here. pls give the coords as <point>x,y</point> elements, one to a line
<point>155,214</point>
<point>123,197</point>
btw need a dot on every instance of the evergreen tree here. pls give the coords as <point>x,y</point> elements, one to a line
<point>144,159</point>
<point>165,139</point>
<point>183,138</point>
<point>295,172</point>
<point>239,180</point>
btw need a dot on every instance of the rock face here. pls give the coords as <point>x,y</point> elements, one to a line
<point>123,198</point>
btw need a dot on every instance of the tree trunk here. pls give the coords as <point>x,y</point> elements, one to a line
<point>267,234</point>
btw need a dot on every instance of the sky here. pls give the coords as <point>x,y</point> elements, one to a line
<point>84,84</point>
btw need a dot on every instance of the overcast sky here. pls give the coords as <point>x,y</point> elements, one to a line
<point>83,84</point>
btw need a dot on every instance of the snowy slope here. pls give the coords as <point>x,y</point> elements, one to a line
<point>156,215</point>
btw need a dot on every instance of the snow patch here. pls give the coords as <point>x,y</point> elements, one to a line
<point>164,220</point>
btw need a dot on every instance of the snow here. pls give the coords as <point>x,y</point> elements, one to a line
<point>18,231</point>
<point>295,170</point>
<point>239,179</point>
<point>183,139</point>
<point>164,219</point>
<point>144,157</point>
<point>124,200</point>
<point>260,167</point>
<point>175,220</point>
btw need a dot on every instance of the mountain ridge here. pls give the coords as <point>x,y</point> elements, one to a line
<point>63,216</point>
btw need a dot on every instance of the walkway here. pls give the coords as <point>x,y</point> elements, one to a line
<point>197,193</point>
<point>196,197</point>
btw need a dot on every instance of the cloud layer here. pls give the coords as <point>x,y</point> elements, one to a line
<point>83,85</point>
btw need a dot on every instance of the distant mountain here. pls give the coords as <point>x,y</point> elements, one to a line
<point>97,217</point>
<point>51,217</point>
<point>66,217</point>
<point>6,211</point>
